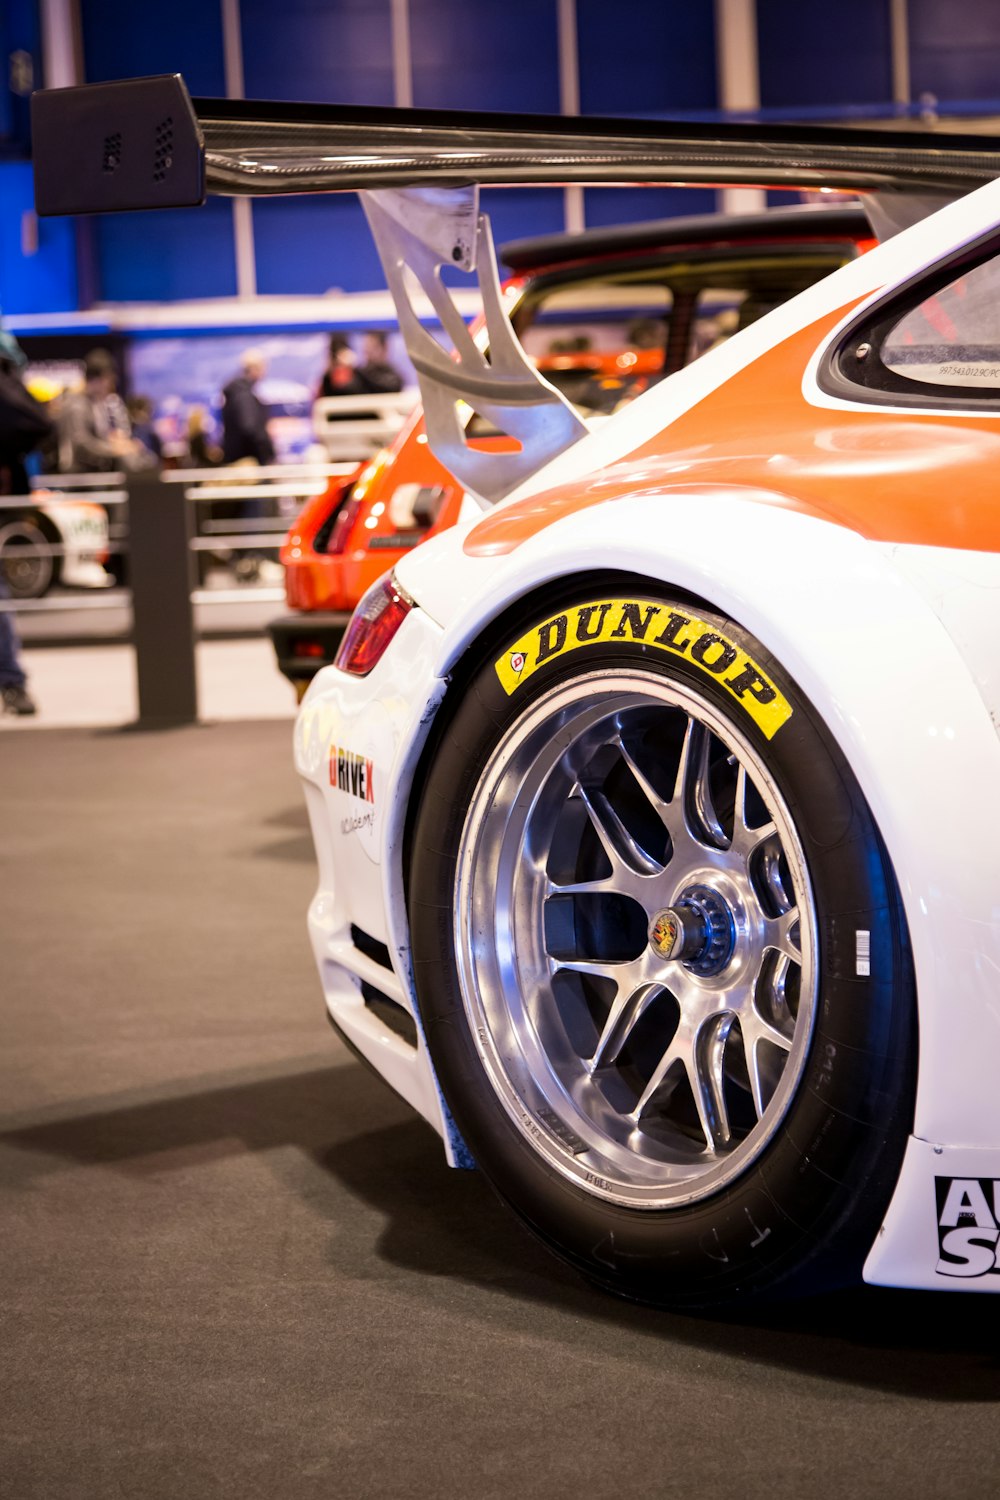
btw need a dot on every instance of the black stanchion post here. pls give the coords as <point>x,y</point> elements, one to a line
<point>162,615</point>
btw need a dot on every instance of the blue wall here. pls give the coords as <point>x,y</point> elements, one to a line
<point>20,33</point>
<point>812,52</point>
<point>955,49</point>
<point>485,54</point>
<point>334,51</point>
<point>133,38</point>
<point>157,257</point>
<point>646,57</point>
<point>44,280</point>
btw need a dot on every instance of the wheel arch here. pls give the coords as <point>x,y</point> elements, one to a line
<point>868,652</point>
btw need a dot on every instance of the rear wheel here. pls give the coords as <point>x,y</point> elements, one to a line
<point>660,958</point>
<point>26,561</point>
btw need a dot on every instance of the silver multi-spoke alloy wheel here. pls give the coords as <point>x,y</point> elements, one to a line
<point>635,936</point>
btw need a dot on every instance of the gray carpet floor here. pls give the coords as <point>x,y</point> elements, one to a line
<point>232,1263</point>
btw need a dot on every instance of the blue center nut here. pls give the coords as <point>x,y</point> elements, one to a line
<point>698,931</point>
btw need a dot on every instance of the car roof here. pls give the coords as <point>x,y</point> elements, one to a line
<point>830,222</point>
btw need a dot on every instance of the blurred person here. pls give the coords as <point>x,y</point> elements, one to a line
<point>244,415</point>
<point>341,378</point>
<point>203,453</point>
<point>140,415</point>
<point>375,372</point>
<point>95,433</point>
<point>245,439</point>
<point>23,426</point>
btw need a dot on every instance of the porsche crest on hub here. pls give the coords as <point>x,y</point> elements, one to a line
<point>666,934</point>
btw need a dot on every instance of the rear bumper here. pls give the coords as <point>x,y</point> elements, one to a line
<point>357,918</point>
<point>306,642</point>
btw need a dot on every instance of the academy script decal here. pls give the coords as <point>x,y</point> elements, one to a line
<point>659,628</point>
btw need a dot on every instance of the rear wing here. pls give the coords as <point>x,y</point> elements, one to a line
<point>144,143</point>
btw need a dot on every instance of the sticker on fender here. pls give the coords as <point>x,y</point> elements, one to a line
<point>657,628</point>
<point>353,773</point>
<point>968,1215</point>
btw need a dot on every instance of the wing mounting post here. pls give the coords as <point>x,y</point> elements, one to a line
<point>417,231</point>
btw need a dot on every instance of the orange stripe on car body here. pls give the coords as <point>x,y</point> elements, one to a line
<point>924,478</point>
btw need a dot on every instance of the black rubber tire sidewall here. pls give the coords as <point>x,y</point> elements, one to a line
<point>804,1213</point>
<point>27,525</point>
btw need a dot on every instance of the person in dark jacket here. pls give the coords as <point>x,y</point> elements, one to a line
<point>371,375</point>
<point>340,378</point>
<point>244,415</point>
<point>374,371</point>
<point>23,425</point>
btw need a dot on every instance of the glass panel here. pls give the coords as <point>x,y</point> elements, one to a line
<point>952,338</point>
<point>717,316</point>
<point>601,343</point>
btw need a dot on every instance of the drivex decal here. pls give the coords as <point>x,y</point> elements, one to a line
<point>353,773</point>
<point>659,628</point>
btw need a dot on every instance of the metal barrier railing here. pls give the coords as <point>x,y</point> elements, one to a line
<point>164,531</point>
<point>71,519</point>
<point>281,488</point>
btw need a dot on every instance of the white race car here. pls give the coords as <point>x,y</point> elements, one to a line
<point>52,540</point>
<point>656,804</point>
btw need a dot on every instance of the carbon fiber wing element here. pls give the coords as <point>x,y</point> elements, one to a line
<point>101,147</point>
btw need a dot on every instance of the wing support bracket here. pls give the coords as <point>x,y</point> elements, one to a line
<point>417,231</point>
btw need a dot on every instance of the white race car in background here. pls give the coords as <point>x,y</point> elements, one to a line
<point>656,806</point>
<point>52,540</point>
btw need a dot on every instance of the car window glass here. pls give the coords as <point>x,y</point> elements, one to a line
<point>717,316</point>
<point>599,342</point>
<point>953,337</point>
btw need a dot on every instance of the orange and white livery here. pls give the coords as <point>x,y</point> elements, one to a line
<point>857,540</point>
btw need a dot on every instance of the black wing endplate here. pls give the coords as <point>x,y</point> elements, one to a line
<point>144,143</point>
<point>113,146</point>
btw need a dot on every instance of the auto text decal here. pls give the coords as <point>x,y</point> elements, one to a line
<point>658,628</point>
<point>350,772</point>
<point>968,1218</point>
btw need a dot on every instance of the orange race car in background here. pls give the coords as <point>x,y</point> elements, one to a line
<point>604,315</point>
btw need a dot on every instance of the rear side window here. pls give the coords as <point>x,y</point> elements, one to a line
<point>951,338</point>
<point>935,344</point>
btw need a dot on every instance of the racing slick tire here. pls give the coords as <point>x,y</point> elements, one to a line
<point>660,956</point>
<point>28,567</point>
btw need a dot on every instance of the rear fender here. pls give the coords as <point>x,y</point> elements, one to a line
<point>891,687</point>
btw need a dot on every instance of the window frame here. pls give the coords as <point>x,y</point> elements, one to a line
<point>852,368</point>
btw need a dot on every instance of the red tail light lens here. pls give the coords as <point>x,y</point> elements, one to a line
<point>373,624</point>
<point>343,525</point>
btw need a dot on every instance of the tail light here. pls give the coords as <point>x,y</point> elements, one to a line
<point>378,616</point>
<point>339,531</point>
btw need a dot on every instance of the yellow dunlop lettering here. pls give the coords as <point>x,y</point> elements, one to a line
<point>655,627</point>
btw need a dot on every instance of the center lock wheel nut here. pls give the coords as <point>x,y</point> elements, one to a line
<point>697,931</point>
